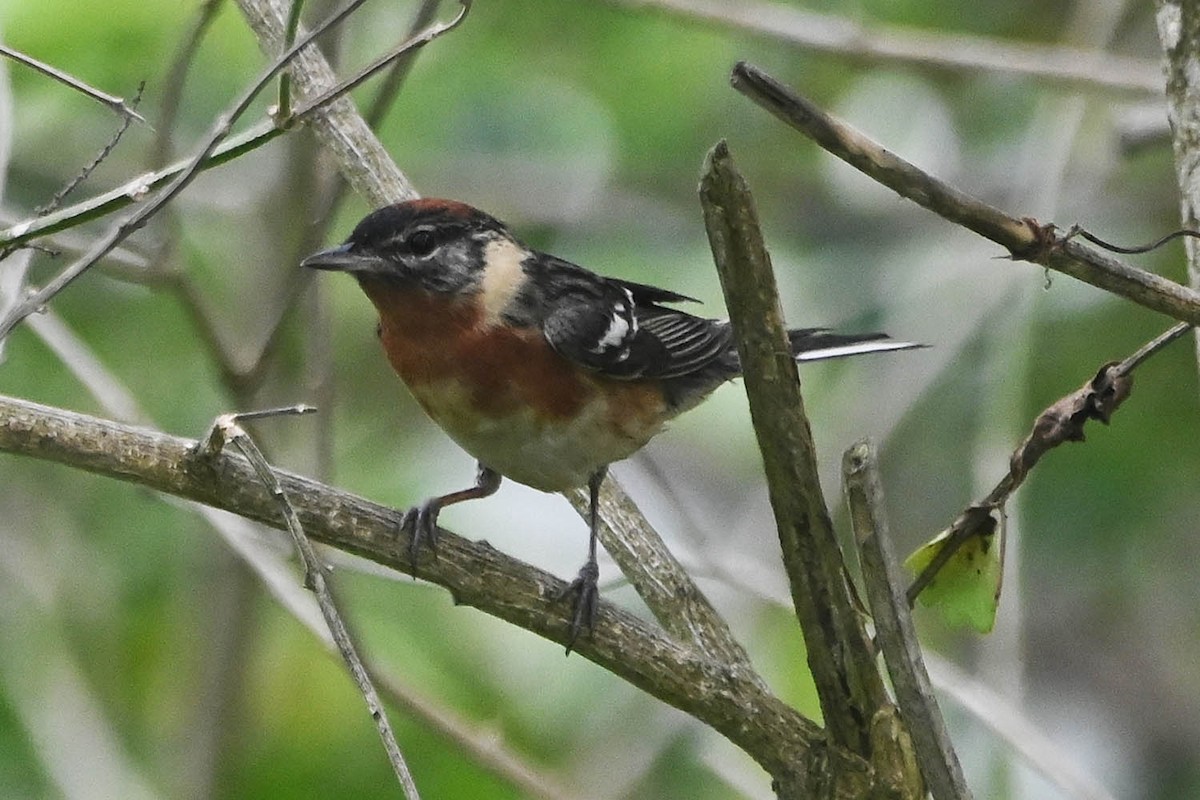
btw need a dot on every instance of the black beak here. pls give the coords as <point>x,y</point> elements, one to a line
<point>341,259</point>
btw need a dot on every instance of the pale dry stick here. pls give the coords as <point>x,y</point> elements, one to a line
<point>122,229</point>
<point>1025,239</point>
<point>894,630</point>
<point>112,102</point>
<point>1073,68</point>
<point>1177,34</point>
<point>227,429</point>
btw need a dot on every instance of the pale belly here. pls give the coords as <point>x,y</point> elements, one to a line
<point>551,455</point>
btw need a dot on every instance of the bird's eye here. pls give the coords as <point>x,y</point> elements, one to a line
<point>421,243</point>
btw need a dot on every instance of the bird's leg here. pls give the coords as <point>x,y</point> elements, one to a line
<point>585,587</point>
<point>423,518</point>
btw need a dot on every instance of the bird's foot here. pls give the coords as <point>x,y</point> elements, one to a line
<point>421,522</point>
<point>586,590</point>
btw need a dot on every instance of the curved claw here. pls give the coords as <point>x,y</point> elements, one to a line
<point>586,589</point>
<point>422,519</point>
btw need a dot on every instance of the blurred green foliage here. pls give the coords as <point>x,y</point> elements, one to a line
<point>585,126</point>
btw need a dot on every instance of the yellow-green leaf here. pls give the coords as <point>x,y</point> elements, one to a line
<point>966,590</point>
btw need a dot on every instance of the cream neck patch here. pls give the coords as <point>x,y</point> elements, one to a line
<point>502,277</point>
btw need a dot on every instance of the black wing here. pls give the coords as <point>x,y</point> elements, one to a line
<point>621,329</point>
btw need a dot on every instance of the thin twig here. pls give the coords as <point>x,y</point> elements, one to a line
<point>284,108</point>
<point>1063,421</point>
<point>172,92</point>
<point>389,89</point>
<point>894,625</point>
<point>257,136</point>
<point>139,218</point>
<point>403,50</point>
<point>136,189</point>
<point>1025,239</point>
<point>104,153</point>
<point>1076,230</point>
<point>225,429</point>
<point>875,43</point>
<point>393,81</point>
<point>59,196</point>
<point>1150,348</point>
<point>112,102</point>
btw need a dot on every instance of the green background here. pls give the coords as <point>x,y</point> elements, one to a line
<point>138,658</point>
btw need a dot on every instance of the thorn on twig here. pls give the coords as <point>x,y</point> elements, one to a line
<point>225,428</point>
<point>73,184</point>
<point>1044,239</point>
<point>116,104</point>
<point>1063,421</point>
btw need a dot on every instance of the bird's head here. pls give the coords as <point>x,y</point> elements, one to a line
<point>441,246</point>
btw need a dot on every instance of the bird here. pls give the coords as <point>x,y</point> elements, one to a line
<point>545,372</point>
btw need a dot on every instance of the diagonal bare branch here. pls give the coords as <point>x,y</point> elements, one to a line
<point>112,102</point>
<point>227,429</point>
<point>1025,239</point>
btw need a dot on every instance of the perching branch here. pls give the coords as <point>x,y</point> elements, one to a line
<point>476,574</point>
<point>1025,239</point>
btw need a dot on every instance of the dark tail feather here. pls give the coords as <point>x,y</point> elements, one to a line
<point>818,344</point>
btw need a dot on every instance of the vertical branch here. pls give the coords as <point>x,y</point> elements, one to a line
<point>1179,32</point>
<point>359,153</point>
<point>894,626</point>
<point>839,654</point>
